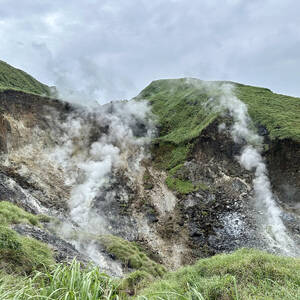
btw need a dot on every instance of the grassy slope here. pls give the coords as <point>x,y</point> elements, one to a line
<point>182,113</point>
<point>12,78</point>
<point>245,274</point>
<point>177,103</point>
<point>20,254</point>
<point>279,113</point>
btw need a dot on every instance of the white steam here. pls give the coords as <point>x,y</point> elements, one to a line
<point>95,147</point>
<point>223,100</point>
<point>242,132</point>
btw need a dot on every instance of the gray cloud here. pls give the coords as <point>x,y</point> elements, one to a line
<point>112,49</point>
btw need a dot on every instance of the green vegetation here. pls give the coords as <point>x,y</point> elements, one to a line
<point>182,110</point>
<point>244,274</point>
<point>178,181</point>
<point>20,254</point>
<point>280,114</point>
<point>15,79</point>
<point>180,107</point>
<point>181,186</point>
<point>131,255</point>
<point>68,282</point>
<point>181,118</point>
<point>12,214</point>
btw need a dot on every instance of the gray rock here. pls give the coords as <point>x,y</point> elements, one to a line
<point>63,251</point>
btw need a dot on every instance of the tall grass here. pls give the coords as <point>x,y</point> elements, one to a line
<point>68,282</point>
<point>242,275</point>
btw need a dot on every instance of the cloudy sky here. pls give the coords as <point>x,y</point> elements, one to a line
<point>111,49</point>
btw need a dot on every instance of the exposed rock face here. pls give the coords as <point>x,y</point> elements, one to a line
<point>283,160</point>
<point>218,217</point>
<point>26,133</point>
<point>174,228</point>
<point>63,251</point>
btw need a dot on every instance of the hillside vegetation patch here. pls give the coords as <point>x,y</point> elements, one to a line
<point>15,79</point>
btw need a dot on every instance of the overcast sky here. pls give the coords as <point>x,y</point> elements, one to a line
<point>111,49</point>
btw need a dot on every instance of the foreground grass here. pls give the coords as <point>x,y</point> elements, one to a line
<point>22,255</point>
<point>12,78</point>
<point>63,282</point>
<point>244,274</point>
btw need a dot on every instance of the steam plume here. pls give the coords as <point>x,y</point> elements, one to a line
<point>95,146</point>
<point>251,159</point>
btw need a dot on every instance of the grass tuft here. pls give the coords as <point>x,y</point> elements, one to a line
<point>20,254</point>
<point>12,214</point>
<point>68,282</point>
<point>131,255</point>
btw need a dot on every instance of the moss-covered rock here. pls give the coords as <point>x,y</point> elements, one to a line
<point>181,186</point>
<point>131,255</point>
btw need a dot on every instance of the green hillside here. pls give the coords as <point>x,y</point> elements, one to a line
<point>12,78</point>
<point>178,104</point>
<point>181,108</point>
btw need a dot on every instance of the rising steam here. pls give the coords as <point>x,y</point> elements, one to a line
<point>95,148</point>
<point>242,132</point>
